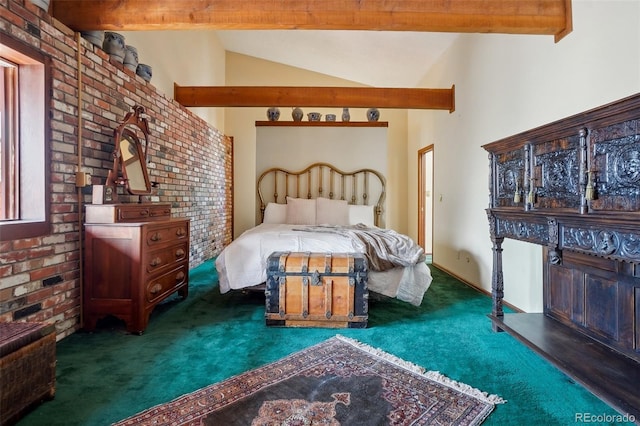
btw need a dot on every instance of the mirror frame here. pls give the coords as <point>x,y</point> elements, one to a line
<point>132,126</point>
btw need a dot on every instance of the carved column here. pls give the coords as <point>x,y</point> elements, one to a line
<point>584,171</point>
<point>555,255</point>
<point>529,187</point>
<point>497,280</point>
<point>492,174</point>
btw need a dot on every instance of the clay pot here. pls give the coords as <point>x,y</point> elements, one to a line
<point>144,71</point>
<point>94,37</point>
<point>42,4</point>
<point>314,116</point>
<point>131,58</point>
<point>273,114</point>
<point>373,114</point>
<point>114,45</point>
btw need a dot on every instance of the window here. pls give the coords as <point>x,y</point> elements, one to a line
<point>24,124</point>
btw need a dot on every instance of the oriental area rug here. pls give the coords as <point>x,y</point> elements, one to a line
<point>337,382</point>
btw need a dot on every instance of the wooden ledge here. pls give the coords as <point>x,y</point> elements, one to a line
<point>323,123</point>
<point>314,97</point>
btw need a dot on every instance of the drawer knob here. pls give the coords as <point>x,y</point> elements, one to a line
<point>143,212</point>
<point>155,237</point>
<point>181,232</point>
<point>180,276</point>
<point>155,289</point>
<point>179,253</point>
<point>155,261</point>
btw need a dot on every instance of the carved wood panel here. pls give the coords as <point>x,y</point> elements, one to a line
<point>533,232</point>
<point>601,241</point>
<point>510,174</point>
<point>616,162</point>
<point>555,173</point>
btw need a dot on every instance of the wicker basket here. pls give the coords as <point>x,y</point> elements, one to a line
<point>27,368</point>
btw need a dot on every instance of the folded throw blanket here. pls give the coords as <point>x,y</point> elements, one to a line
<point>384,248</point>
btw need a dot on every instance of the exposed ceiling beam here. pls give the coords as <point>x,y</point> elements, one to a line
<point>279,96</point>
<point>551,17</point>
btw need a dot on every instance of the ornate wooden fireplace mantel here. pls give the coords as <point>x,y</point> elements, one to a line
<point>573,187</point>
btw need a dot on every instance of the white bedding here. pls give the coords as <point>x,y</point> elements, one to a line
<point>243,263</point>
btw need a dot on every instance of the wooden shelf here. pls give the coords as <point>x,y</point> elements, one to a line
<point>608,374</point>
<point>323,123</point>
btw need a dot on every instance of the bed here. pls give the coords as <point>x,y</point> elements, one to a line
<point>324,209</point>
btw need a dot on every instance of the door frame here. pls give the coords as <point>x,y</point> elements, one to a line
<point>421,199</point>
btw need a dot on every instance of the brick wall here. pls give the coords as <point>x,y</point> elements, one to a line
<point>191,161</point>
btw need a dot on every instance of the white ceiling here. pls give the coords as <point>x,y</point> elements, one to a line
<point>374,58</point>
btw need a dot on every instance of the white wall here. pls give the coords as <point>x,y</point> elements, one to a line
<point>506,84</point>
<point>196,58</point>
<point>240,123</point>
<point>294,148</point>
<point>347,148</point>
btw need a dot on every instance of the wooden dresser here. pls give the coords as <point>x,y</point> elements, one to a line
<point>136,255</point>
<point>573,187</point>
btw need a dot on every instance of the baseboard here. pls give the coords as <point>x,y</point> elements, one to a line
<point>474,286</point>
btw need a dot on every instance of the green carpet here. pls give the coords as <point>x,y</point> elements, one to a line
<point>108,375</point>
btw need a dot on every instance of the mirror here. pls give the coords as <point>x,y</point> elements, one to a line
<point>130,156</point>
<point>133,161</point>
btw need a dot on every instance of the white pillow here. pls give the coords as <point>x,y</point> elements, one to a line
<point>301,211</point>
<point>331,212</point>
<point>361,214</point>
<point>275,213</point>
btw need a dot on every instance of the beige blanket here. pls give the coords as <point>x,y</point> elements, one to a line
<point>384,248</point>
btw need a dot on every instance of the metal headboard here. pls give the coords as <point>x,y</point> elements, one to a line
<point>323,180</point>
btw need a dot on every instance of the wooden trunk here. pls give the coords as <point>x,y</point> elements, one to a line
<point>317,290</point>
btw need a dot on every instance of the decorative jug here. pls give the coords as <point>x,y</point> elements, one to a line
<point>345,114</point>
<point>297,114</point>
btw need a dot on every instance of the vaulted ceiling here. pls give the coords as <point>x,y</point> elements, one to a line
<point>381,43</point>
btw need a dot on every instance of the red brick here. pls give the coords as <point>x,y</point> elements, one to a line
<point>179,139</point>
<point>43,273</point>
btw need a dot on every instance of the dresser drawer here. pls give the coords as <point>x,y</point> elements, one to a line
<point>158,287</point>
<point>127,213</point>
<point>158,259</point>
<point>168,233</point>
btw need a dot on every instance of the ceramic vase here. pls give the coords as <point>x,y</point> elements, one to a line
<point>345,114</point>
<point>273,114</point>
<point>373,114</point>
<point>114,45</point>
<point>297,114</point>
